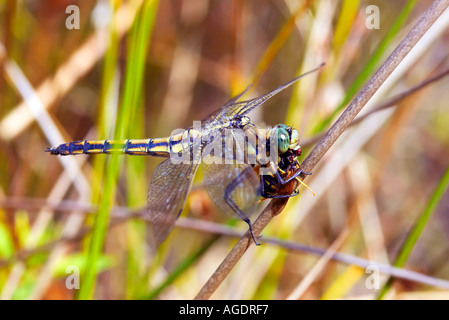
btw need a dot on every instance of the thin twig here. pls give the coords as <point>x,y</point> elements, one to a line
<point>275,207</point>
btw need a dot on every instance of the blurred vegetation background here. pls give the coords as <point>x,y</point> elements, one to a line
<point>139,69</point>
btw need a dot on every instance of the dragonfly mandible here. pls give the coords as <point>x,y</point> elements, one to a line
<point>232,151</point>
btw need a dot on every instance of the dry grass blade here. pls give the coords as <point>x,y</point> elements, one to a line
<point>40,114</point>
<point>275,207</point>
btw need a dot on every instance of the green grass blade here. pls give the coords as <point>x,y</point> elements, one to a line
<point>99,229</point>
<point>135,166</point>
<point>102,197</point>
<point>107,113</point>
<point>417,229</point>
<point>132,88</point>
<point>137,50</point>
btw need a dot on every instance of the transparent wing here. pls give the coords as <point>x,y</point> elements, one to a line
<point>234,108</point>
<point>232,183</point>
<point>170,185</point>
<point>226,110</point>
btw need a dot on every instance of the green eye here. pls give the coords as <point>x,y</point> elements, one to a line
<point>283,140</point>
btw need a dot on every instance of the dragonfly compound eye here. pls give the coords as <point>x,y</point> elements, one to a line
<point>283,140</point>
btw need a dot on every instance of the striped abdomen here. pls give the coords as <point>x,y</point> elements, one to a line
<point>159,147</point>
<point>152,147</point>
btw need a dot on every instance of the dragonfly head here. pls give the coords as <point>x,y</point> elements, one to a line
<point>288,139</point>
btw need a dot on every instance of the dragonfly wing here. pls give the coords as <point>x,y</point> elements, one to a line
<point>238,182</point>
<point>226,110</point>
<point>170,185</point>
<point>234,108</point>
<point>232,184</point>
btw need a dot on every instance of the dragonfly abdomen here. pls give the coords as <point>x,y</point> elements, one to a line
<point>152,147</point>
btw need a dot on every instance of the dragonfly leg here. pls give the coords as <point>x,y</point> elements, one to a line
<point>227,198</point>
<point>294,194</point>
<point>281,180</point>
<point>299,168</point>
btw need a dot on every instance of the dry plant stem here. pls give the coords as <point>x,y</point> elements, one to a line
<point>404,47</point>
<point>239,249</point>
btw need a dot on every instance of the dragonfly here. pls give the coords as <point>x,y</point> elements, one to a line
<point>232,151</point>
